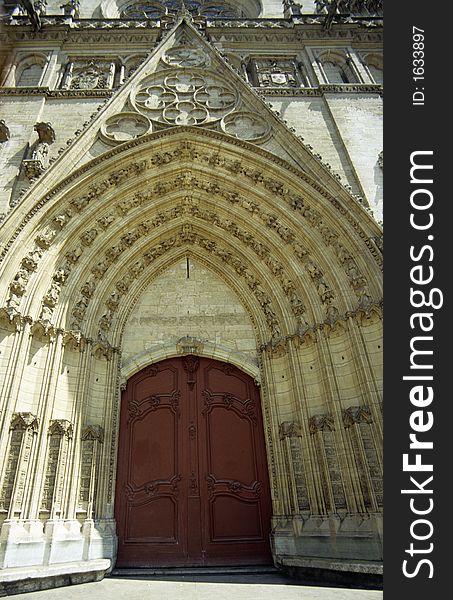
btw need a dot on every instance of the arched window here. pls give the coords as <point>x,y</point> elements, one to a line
<point>143,10</point>
<point>376,74</point>
<point>29,72</point>
<point>334,73</point>
<point>336,68</point>
<point>155,9</point>
<point>220,10</point>
<point>374,65</point>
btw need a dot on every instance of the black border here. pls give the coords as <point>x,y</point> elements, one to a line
<point>408,129</point>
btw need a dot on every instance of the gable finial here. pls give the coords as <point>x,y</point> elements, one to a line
<point>184,11</point>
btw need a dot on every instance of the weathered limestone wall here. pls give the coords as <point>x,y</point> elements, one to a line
<point>358,120</point>
<point>201,306</point>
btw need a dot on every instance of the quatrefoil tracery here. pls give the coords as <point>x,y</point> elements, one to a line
<point>185,98</point>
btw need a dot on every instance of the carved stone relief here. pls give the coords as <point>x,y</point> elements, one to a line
<point>186,57</point>
<point>38,158</point>
<point>186,180</point>
<point>157,9</point>
<point>89,74</point>
<point>271,72</point>
<point>186,235</point>
<point>23,428</point>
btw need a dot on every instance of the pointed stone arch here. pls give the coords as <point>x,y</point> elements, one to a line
<point>299,251</point>
<point>291,218</point>
<point>195,338</point>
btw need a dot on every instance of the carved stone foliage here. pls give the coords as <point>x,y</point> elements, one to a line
<point>187,181</point>
<point>189,209</point>
<point>17,287</point>
<point>186,235</point>
<point>44,240</point>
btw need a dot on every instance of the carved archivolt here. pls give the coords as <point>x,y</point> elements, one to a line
<point>186,181</point>
<point>188,152</point>
<point>184,236</point>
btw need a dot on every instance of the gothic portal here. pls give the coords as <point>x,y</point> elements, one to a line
<point>191,292</point>
<point>193,486</point>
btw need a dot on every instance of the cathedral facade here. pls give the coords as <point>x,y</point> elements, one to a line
<point>191,283</point>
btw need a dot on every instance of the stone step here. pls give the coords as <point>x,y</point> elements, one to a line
<point>190,571</point>
<point>16,580</point>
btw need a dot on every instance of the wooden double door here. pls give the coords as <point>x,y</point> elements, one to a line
<point>192,486</point>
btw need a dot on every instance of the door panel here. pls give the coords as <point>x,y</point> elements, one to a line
<point>192,483</point>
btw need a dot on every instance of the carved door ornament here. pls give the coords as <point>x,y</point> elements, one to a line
<point>191,364</point>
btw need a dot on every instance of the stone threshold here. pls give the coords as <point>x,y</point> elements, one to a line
<point>18,580</point>
<point>374,568</point>
<point>182,571</point>
<point>339,573</point>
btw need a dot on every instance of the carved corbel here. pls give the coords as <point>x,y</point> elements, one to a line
<point>321,423</point>
<point>102,350</point>
<point>356,414</point>
<point>93,432</point>
<point>290,429</point>
<point>74,340</point>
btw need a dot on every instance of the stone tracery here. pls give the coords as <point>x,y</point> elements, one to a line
<point>157,9</point>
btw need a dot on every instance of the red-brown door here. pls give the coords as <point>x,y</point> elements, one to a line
<point>192,485</point>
